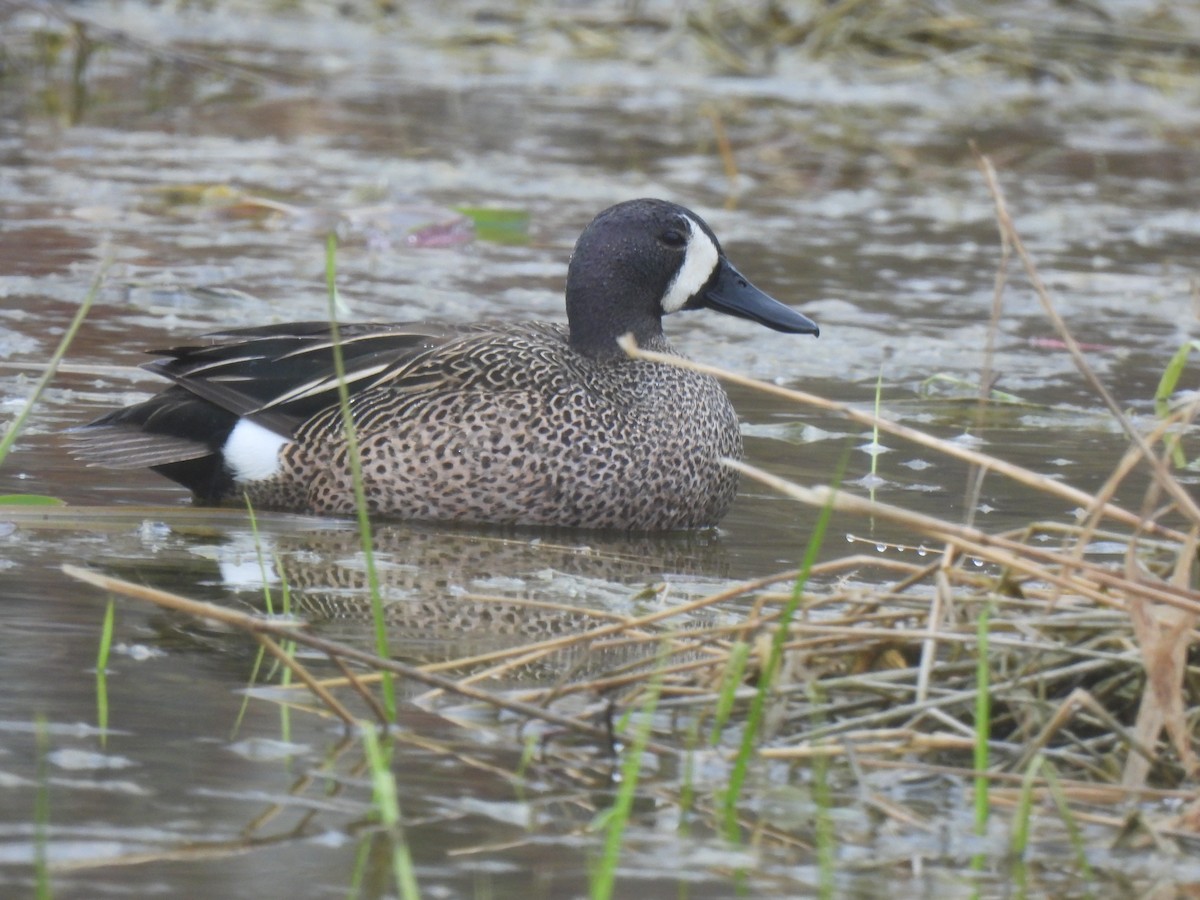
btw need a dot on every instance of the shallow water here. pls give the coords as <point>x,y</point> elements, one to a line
<point>856,199</point>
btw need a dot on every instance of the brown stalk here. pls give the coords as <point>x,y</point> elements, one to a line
<point>949,448</point>
<point>255,626</point>
<point>1161,474</point>
<point>993,548</point>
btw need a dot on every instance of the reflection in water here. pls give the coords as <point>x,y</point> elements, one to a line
<point>450,593</point>
<point>447,592</point>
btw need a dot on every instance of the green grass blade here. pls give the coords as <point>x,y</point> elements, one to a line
<point>501,226</point>
<point>1171,376</point>
<point>825,838</point>
<point>687,783</point>
<point>387,807</point>
<point>29,500</point>
<point>1023,814</point>
<point>741,765</point>
<point>262,562</point>
<point>14,428</point>
<point>360,496</point>
<point>528,753</point>
<point>1068,818</point>
<point>1166,387</point>
<point>731,680</point>
<point>603,876</point>
<point>285,711</point>
<point>106,635</point>
<point>1022,822</point>
<point>251,681</point>
<point>358,873</point>
<point>983,721</point>
<point>875,447</point>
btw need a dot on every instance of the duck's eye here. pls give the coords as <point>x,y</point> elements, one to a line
<point>673,238</point>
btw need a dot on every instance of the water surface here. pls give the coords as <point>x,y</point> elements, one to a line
<point>855,199</point>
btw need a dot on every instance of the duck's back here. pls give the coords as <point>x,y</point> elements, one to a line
<point>510,425</point>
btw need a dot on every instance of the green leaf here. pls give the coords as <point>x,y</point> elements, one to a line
<point>30,500</point>
<point>501,226</point>
<point>1166,387</point>
<point>1170,377</point>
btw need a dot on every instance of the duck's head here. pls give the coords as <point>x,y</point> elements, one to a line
<point>643,259</point>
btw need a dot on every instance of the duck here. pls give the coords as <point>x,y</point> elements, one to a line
<point>522,423</point>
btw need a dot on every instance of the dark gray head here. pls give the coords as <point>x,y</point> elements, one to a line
<point>642,259</point>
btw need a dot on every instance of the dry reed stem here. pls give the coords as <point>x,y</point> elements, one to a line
<point>724,150</point>
<point>987,376</point>
<point>1163,476</point>
<point>1164,636</point>
<point>963,697</point>
<point>1081,699</point>
<point>1121,471</point>
<point>1032,561</point>
<point>530,653</point>
<point>1079,791</point>
<point>683,609</point>
<point>188,853</point>
<point>1016,473</point>
<point>361,689</point>
<point>306,677</point>
<point>904,741</point>
<point>254,625</point>
<point>941,600</point>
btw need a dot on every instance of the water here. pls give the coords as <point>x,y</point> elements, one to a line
<point>855,199</point>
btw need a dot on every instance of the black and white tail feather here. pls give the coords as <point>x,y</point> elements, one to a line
<point>239,396</point>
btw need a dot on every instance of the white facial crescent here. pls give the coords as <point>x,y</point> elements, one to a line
<point>699,262</point>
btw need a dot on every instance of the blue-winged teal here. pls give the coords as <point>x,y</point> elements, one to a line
<point>522,423</point>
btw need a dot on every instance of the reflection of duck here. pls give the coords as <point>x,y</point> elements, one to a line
<point>447,593</point>
<point>434,583</point>
<point>527,423</point>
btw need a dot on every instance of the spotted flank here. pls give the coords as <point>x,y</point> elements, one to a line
<point>514,423</point>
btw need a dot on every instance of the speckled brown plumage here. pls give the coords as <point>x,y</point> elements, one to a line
<point>564,440</point>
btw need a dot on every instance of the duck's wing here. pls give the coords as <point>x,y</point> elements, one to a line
<point>276,376</point>
<point>279,376</point>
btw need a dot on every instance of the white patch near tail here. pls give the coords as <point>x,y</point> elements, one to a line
<point>699,262</point>
<point>252,452</point>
